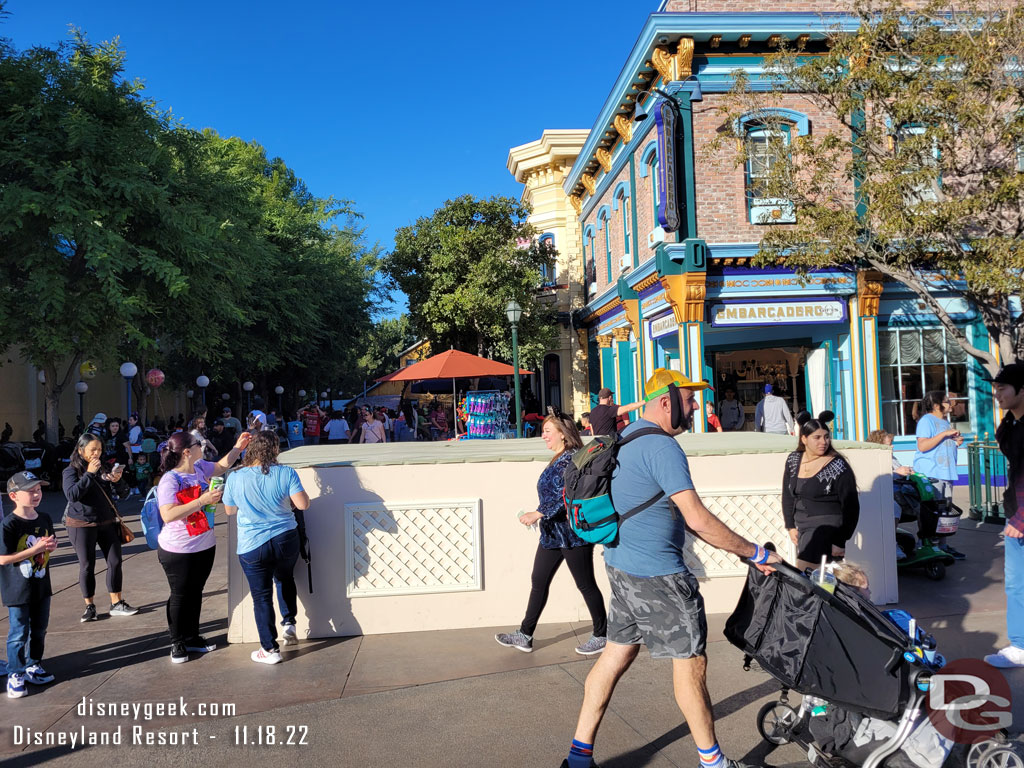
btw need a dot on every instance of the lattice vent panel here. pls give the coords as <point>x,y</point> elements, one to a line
<point>411,548</point>
<point>754,515</point>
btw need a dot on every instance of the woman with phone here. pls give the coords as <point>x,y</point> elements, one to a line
<point>91,521</point>
<point>935,458</point>
<point>186,540</point>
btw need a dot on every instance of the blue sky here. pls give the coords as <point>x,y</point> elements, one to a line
<point>396,106</point>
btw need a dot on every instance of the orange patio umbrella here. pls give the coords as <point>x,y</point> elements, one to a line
<point>453,365</point>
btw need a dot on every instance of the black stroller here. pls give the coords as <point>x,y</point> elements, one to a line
<point>863,679</point>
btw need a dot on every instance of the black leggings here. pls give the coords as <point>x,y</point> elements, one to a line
<point>187,573</point>
<point>84,540</point>
<point>581,565</point>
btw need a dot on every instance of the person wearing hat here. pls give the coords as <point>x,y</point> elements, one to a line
<point>655,599</point>
<point>26,540</point>
<point>772,414</point>
<point>231,424</point>
<point>605,415</point>
<point>98,425</point>
<point>1009,393</point>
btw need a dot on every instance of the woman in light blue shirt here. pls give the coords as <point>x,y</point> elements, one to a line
<point>935,458</point>
<point>262,493</point>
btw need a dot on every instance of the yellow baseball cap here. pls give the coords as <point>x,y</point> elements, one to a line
<point>663,378</point>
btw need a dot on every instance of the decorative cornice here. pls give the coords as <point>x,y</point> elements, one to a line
<point>589,183</point>
<point>646,283</point>
<point>685,294</point>
<point>684,58</point>
<point>870,285</point>
<point>604,341</point>
<point>662,61</point>
<point>604,157</point>
<point>625,128</point>
<point>621,333</point>
<point>554,147</point>
<point>576,203</point>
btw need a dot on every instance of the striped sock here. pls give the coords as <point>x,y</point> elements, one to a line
<point>711,758</point>
<point>580,754</point>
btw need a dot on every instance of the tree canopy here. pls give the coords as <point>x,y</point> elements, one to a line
<point>462,265</point>
<point>125,233</point>
<point>922,181</point>
<point>388,338</point>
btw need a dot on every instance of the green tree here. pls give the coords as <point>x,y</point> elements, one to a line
<point>89,216</point>
<point>388,338</point>
<point>462,265</point>
<point>923,181</point>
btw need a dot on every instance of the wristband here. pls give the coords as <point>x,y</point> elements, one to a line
<point>760,556</point>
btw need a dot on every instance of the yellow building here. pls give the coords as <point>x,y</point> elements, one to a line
<point>542,166</point>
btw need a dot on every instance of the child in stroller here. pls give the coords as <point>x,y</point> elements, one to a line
<point>864,675</point>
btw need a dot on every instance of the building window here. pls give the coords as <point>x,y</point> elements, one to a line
<point>915,361</point>
<point>764,150</point>
<point>590,260</point>
<point>917,156</point>
<point>548,273</point>
<point>604,222</point>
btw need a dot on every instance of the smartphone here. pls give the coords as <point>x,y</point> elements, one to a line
<point>116,468</point>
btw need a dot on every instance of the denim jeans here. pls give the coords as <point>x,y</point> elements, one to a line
<point>272,561</point>
<point>1014,565</point>
<point>26,636</point>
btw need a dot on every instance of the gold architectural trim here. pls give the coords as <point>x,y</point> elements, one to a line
<point>774,41</point>
<point>870,285</point>
<point>802,40</point>
<point>646,283</point>
<point>604,157</point>
<point>576,203</point>
<point>625,127</point>
<point>684,58</point>
<point>604,341</point>
<point>589,183</point>
<point>744,41</point>
<point>621,334</point>
<point>716,40</point>
<point>685,294</point>
<point>662,61</point>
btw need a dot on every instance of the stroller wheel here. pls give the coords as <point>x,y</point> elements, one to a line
<point>1001,757</point>
<point>935,571</point>
<point>775,722</point>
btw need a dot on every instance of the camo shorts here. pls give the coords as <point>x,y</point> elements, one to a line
<point>665,613</point>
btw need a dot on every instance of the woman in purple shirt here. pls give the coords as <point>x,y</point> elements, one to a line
<point>187,540</point>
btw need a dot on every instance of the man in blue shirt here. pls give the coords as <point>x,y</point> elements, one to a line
<point>655,599</point>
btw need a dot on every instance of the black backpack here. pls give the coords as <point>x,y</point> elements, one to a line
<point>588,487</point>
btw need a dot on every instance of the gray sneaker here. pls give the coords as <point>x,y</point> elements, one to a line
<point>592,647</point>
<point>516,640</point>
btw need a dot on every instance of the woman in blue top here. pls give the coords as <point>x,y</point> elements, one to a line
<point>558,543</point>
<point>262,493</point>
<point>935,457</point>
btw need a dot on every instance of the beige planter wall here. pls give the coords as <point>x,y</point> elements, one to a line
<point>399,548</point>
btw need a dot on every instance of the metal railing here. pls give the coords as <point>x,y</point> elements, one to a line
<point>986,473</point>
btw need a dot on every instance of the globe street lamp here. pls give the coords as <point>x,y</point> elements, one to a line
<point>279,390</point>
<point>81,388</point>
<point>514,312</point>
<point>128,371</point>
<point>202,382</point>
<point>247,386</point>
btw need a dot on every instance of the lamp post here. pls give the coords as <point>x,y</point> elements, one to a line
<point>81,388</point>
<point>202,382</point>
<point>247,386</point>
<point>514,312</point>
<point>128,371</point>
<point>279,390</point>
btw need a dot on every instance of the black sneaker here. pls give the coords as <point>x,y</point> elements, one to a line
<point>565,763</point>
<point>90,613</point>
<point>121,608</point>
<point>199,644</point>
<point>179,653</point>
<point>956,554</point>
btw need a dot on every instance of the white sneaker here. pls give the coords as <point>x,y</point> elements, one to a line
<point>266,657</point>
<point>1009,657</point>
<point>289,636</point>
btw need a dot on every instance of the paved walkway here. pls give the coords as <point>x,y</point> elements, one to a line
<point>449,699</point>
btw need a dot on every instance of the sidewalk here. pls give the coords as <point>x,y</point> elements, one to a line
<point>452,698</point>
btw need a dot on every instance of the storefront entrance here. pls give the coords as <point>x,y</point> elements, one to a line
<point>746,371</point>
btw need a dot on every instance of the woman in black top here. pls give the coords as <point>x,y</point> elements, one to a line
<point>91,520</point>
<point>819,494</point>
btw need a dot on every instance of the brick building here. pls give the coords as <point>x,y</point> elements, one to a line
<point>689,299</point>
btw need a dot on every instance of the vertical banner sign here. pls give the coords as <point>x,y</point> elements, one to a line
<point>665,119</point>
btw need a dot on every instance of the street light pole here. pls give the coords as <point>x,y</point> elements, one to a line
<point>279,390</point>
<point>81,388</point>
<point>128,371</point>
<point>247,386</point>
<point>514,312</point>
<point>202,382</point>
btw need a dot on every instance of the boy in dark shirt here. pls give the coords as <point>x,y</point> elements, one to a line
<point>26,540</point>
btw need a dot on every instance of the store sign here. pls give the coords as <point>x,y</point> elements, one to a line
<point>777,312</point>
<point>668,201</point>
<point>663,326</point>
